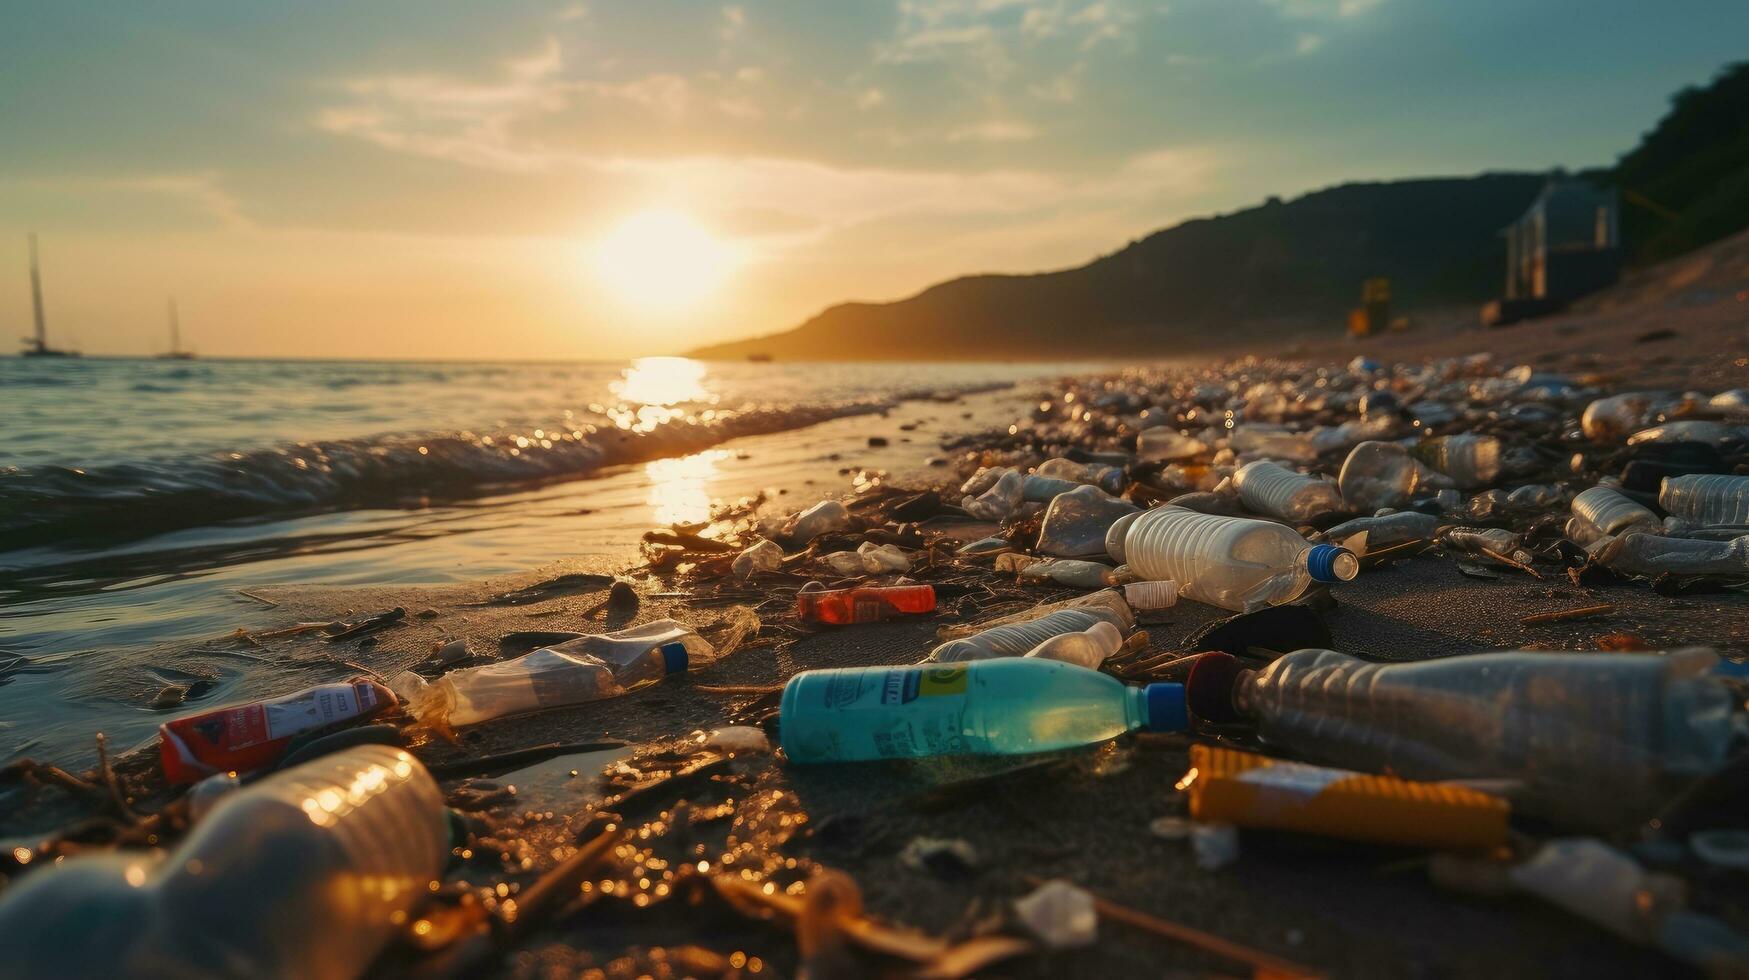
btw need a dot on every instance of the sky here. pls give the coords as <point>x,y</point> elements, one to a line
<point>602,179</point>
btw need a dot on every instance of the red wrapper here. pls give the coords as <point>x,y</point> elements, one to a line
<point>250,736</point>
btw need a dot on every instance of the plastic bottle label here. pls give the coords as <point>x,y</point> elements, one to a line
<point>900,712</point>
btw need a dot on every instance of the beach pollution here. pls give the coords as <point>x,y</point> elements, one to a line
<point>1137,598</point>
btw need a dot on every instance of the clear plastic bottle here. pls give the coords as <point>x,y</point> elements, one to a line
<point>1639,553</point>
<point>588,668</point>
<point>1074,525</point>
<point>1274,440</point>
<point>1070,572</point>
<point>1712,498</point>
<point>1232,562</point>
<point>1613,418</point>
<point>1151,595</point>
<point>1365,535</point>
<point>1469,461</point>
<point>1015,639</point>
<point>1606,509</point>
<point>1088,648</point>
<point>1381,474</point>
<point>1107,478</point>
<point>823,517</point>
<point>1593,737</point>
<point>1266,487</point>
<point>307,873</point>
<point>999,500</point>
<point>1162,444</point>
<point>1044,489</point>
<point>1010,706</point>
<point>1108,604</point>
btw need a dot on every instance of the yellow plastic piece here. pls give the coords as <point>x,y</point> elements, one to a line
<point>1251,790</point>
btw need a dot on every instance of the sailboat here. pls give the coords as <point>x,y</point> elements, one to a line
<point>175,353</point>
<point>38,346</point>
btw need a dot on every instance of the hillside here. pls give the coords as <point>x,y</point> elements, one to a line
<point>1294,268</point>
<point>1299,260</point>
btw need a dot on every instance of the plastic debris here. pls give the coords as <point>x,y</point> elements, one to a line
<point>1076,522</point>
<point>1060,914</point>
<point>823,517</point>
<point>864,604</point>
<point>248,737</point>
<point>738,739</point>
<point>1268,488</point>
<point>1215,845</point>
<point>763,555</point>
<point>1067,571</point>
<point>938,855</point>
<point>1230,562</point>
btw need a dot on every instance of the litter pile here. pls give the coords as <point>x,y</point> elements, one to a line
<point>1609,782</point>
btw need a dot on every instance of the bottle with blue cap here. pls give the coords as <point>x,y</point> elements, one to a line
<point>589,667</point>
<point>1233,562</point>
<point>1006,706</point>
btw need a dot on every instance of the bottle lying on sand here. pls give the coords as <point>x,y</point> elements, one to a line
<point>1611,512</point>
<point>307,873</point>
<point>1088,648</point>
<point>1590,738</point>
<point>1268,488</point>
<point>246,737</point>
<point>588,668</point>
<point>1706,499</point>
<point>1383,474</point>
<point>1009,706</point>
<point>1652,555</point>
<point>864,604</point>
<point>1016,639</point>
<point>1232,562</point>
<point>1469,461</point>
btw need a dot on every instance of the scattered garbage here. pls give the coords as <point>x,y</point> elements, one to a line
<point>247,737</point>
<point>1710,499</point>
<point>763,555</point>
<point>941,856</point>
<point>1017,639</point>
<point>1088,648</point>
<point>1004,706</point>
<point>823,517</point>
<point>1060,914</point>
<point>1231,562</point>
<point>1250,790</point>
<point>1068,571</point>
<point>1076,522</point>
<point>268,884</point>
<point>1268,488</point>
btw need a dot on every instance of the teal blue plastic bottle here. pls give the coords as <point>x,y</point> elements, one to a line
<point>1004,706</point>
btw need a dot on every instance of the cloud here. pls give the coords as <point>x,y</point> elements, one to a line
<point>870,98</point>
<point>993,131</point>
<point>1307,43</point>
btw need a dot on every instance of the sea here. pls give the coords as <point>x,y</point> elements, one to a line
<point>140,499</point>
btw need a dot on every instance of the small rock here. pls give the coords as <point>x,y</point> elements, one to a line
<point>738,739</point>
<point>1061,915</point>
<point>876,442</point>
<point>427,613</point>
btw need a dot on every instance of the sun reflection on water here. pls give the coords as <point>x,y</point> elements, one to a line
<point>663,381</point>
<point>680,487</point>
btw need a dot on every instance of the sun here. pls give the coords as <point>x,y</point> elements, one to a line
<point>662,261</point>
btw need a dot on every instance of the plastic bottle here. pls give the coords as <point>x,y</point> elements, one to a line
<point>1606,509</point>
<point>1365,535</point>
<point>1162,444</point>
<point>1009,706</point>
<point>825,516</point>
<point>1706,498</point>
<point>1149,596</point>
<point>1383,474</point>
<point>1274,440</point>
<point>1044,489</point>
<point>864,604</point>
<point>1075,523</point>
<point>588,668</point>
<point>247,737</point>
<point>1594,738</point>
<point>307,873</point>
<point>1468,460</point>
<point>1108,604</point>
<point>1107,478</point>
<point>1268,488</point>
<point>1612,419</point>
<point>1482,540</point>
<point>999,500</point>
<point>1232,562</point>
<point>1015,639</point>
<point>1068,571</point>
<point>1088,648</point>
<point>763,556</point>
<point>1651,555</point>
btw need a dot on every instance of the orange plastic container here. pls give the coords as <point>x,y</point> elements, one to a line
<point>871,604</point>
<point>1251,790</point>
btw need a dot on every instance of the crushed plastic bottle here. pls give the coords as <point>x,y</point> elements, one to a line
<point>1607,510</point>
<point>1366,535</point>
<point>1232,562</point>
<point>1075,523</point>
<point>1016,639</point>
<point>1469,461</point>
<point>247,737</point>
<point>868,559</point>
<point>822,518</point>
<point>307,873</point>
<point>864,604</point>
<point>1088,648</point>
<point>1068,571</point>
<point>1107,478</point>
<point>589,668</point>
<point>1706,499</point>
<point>1149,596</point>
<point>1007,706</point>
<point>763,556</point>
<point>1266,487</point>
<point>1044,489</point>
<point>1383,474</point>
<point>1483,540</point>
<point>997,502</point>
<point>1596,739</point>
<point>1108,604</point>
<point>1612,419</point>
<point>1652,555</point>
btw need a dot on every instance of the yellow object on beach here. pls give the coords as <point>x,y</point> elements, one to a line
<point>1252,790</point>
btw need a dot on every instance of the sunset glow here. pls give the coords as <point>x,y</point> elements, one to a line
<point>662,261</point>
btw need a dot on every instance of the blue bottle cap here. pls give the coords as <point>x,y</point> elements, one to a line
<point>1321,562</point>
<point>1166,710</point>
<point>674,657</point>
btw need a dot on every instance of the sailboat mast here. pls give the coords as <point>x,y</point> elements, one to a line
<point>175,335</point>
<point>36,298</point>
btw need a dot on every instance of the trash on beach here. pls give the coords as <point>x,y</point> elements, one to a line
<point>823,517</point>
<point>864,604</point>
<point>1232,562</point>
<point>738,739</point>
<point>1595,739</point>
<point>1250,790</point>
<point>1017,638</point>
<point>1076,522</point>
<point>1060,914</point>
<point>1268,488</point>
<point>1068,571</point>
<point>868,559</point>
<point>1005,706</point>
<point>763,555</point>
<point>267,885</point>
<point>941,856</point>
<point>588,668</point>
<point>251,736</point>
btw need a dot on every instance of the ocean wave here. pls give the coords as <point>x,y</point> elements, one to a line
<point>42,505</point>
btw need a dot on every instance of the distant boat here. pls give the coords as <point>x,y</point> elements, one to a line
<point>175,353</point>
<point>38,346</point>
